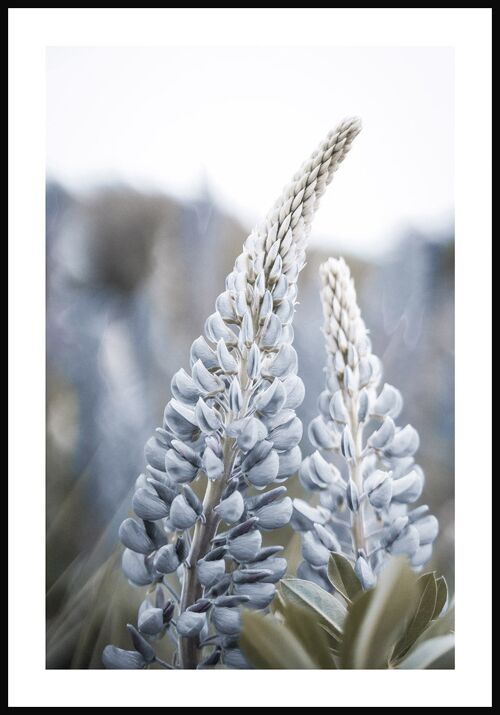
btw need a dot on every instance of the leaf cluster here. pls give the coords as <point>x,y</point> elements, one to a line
<point>404,622</point>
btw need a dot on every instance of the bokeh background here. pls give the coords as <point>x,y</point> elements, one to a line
<point>159,161</point>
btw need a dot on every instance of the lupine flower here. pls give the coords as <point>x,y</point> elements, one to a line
<point>231,427</point>
<point>363,466</point>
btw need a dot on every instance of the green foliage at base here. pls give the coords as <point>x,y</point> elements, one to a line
<point>405,622</point>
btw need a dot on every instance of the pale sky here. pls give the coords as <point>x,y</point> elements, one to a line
<point>243,120</point>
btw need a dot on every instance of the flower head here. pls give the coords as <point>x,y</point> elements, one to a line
<point>230,430</point>
<point>368,487</point>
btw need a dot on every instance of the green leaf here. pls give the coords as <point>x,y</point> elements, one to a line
<point>378,618</point>
<point>334,637</point>
<point>442,626</point>
<point>427,589</point>
<point>268,644</point>
<point>304,624</point>
<point>441,596</point>
<point>278,603</point>
<point>428,652</point>
<point>342,576</point>
<point>306,594</point>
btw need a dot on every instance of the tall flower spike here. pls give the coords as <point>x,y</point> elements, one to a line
<point>230,426</point>
<point>366,488</point>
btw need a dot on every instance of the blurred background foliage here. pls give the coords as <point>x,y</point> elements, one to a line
<point>131,278</point>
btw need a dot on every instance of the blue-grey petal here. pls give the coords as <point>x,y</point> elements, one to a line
<point>266,306</point>
<point>315,575</point>
<point>255,455</point>
<point>295,391</point>
<point>234,658</point>
<point>209,572</point>
<point>364,573</point>
<point>421,555</point>
<point>270,400</point>
<point>253,431</point>
<point>428,529</point>
<point>154,453</point>
<point>216,328</point>
<point>400,467</point>
<point>418,513</point>
<point>287,436</point>
<point>272,332</point>
<point>378,486</point>
<point>180,419</point>
<point>230,601</point>
<point>404,444</point>
<point>327,538</point>
<point>231,509</point>
<point>408,489</point>
<point>259,500</point>
<point>253,362</point>
<point>189,623</point>
<point>191,498</point>
<point>389,402</point>
<point>207,382</point>
<point>135,568</point>
<point>166,559</point>
<point>141,645</point>
<point>289,462</point>
<point>200,350</point>
<point>247,331</point>
<point>182,515</point>
<point>210,660</point>
<point>313,550</point>
<point>321,471</point>
<point>149,506</point>
<point>321,436</point>
<point>243,528</point>
<point>407,542</point>
<point>304,516</point>
<point>150,620</point>
<point>351,380</point>
<point>245,547</point>
<point>133,535</point>
<point>227,620</point>
<point>183,387</point>
<point>250,575</point>
<point>277,567</point>
<point>225,305</point>
<point>307,476</point>
<point>235,395</point>
<point>187,452</point>
<point>382,437</point>
<point>212,464</point>
<point>265,471</point>
<point>363,406</point>
<point>202,605</point>
<point>285,311</point>
<point>261,594</point>
<point>178,468</point>
<point>115,658</point>
<point>283,363</point>
<point>206,417</point>
<point>275,515</point>
<point>347,443</point>
<point>280,290</point>
<point>352,495</point>
<point>338,410</point>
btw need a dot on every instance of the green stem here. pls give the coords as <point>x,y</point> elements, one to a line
<point>205,530</point>
<point>357,477</point>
